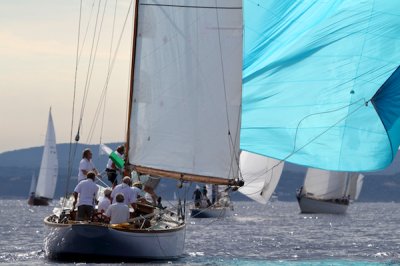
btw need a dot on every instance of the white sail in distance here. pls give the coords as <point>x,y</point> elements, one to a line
<point>47,180</point>
<point>323,184</point>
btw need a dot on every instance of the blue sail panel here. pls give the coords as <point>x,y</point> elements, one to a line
<point>387,104</point>
<point>310,71</point>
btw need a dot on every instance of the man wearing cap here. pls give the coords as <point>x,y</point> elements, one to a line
<point>105,202</point>
<point>125,189</point>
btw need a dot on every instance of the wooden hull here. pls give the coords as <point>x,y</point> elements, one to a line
<point>38,201</point>
<point>101,242</point>
<point>310,205</point>
<point>218,212</point>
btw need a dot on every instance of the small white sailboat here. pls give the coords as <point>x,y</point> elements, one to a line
<point>184,122</point>
<point>328,191</point>
<point>43,188</point>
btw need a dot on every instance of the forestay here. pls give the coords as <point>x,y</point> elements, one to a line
<point>320,85</point>
<point>187,86</point>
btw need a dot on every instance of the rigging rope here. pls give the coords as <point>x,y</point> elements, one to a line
<point>91,130</point>
<point>109,65</point>
<point>86,31</point>
<point>86,87</point>
<point>71,154</point>
<point>105,87</point>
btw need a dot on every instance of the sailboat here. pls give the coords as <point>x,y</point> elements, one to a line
<point>184,122</point>
<point>320,83</point>
<point>43,188</point>
<point>260,174</point>
<point>328,191</point>
<point>219,205</point>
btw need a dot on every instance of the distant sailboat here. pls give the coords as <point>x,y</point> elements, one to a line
<point>218,205</point>
<point>328,191</point>
<point>43,188</point>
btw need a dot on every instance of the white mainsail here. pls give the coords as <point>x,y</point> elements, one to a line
<point>260,174</point>
<point>47,179</point>
<point>187,87</point>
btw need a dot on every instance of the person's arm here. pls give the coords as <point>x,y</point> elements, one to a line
<point>108,212</point>
<point>75,194</point>
<point>94,169</point>
<point>96,196</point>
<point>97,173</point>
<point>85,172</point>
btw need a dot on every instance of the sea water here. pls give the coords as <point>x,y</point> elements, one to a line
<point>255,234</point>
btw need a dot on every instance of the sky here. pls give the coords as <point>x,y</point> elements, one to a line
<point>38,44</point>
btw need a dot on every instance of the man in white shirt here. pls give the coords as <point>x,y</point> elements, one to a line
<point>119,211</point>
<point>125,188</point>
<point>87,191</point>
<point>105,202</point>
<point>86,165</point>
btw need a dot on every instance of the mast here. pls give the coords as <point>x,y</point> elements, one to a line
<point>134,39</point>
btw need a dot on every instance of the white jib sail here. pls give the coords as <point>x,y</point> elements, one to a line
<point>355,185</point>
<point>260,174</point>
<point>47,180</point>
<point>187,86</point>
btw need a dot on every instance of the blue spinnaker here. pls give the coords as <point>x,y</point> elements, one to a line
<point>321,85</point>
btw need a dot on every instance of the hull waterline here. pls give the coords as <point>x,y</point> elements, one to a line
<point>309,205</point>
<point>38,201</point>
<point>99,242</point>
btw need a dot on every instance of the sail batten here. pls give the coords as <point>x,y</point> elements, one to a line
<point>186,104</point>
<point>310,69</point>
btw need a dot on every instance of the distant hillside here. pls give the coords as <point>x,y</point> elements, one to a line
<point>18,166</point>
